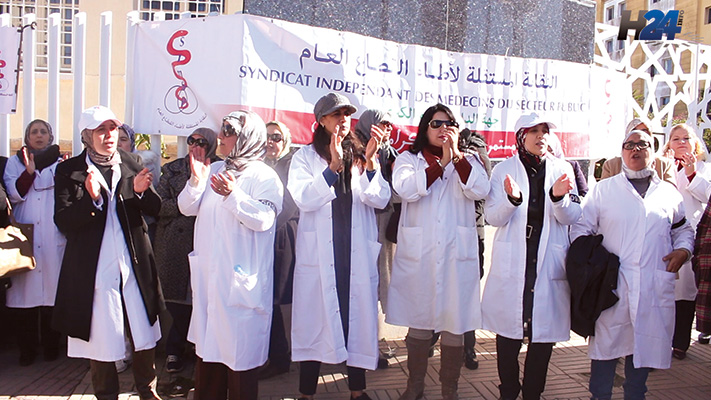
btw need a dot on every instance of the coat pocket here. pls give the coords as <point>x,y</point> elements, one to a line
<point>556,259</point>
<point>409,245</point>
<point>374,248</point>
<point>467,243</point>
<point>246,290</point>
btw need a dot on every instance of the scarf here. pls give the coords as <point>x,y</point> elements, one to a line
<point>251,140</point>
<point>96,158</point>
<point>526,156</point>
<point>43,158</point>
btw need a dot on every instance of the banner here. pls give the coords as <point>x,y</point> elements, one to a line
<point>191,73</point>
<point>9,43</point>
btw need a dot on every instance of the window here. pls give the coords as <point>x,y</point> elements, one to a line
<point>610,46</point>
<point>621,7</point>
<point>172,9</point>
<point>668,65</point>
<point>707,16</point>
<point>663,101</point>
<point>610,13</point>
<point>43,9</point>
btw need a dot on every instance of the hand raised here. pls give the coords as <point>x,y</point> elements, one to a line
<point>93,187</point>
<point>336,149</point>
<point>689,162</point>
<point>142,181</point>
<point>511,187</point>
<point>29,160</point>
<point>562,186</point>
<point>199,163</point>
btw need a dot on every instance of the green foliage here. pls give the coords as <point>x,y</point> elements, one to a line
<point>143,141</point>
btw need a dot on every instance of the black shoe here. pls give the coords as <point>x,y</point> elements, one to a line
<point>383,363</point>
<point>27,358</point>
<point>271,370</point>
<point>363,396</point>
<point>704,338</point>
<point>470,361</point>
<point>173,364</point>
<point>678,354</point>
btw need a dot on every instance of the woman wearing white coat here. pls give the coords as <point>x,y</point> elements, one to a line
<point>532,201</point>
<point>231,264</point>
<point>642,221</point>
<point>29,177</point>
<point>336,184</point>
<point>693,179</point>
<point>435,278</point>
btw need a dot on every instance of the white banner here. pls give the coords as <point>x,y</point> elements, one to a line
<point>192,72</point>
<point>9,42</point>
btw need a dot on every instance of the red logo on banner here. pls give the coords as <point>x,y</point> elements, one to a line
<point>4,85</point>
<point>180,99</point>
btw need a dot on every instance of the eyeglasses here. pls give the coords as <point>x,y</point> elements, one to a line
<point>275,137</point>
<point>636,145</point>
<point>202,142</point>
<point>436,123</point>
<point>228,128</point>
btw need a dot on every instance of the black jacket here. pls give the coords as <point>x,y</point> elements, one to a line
<point>592,275</point>
<point>83,224</point>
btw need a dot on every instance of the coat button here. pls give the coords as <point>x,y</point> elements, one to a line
<point>93,214</point>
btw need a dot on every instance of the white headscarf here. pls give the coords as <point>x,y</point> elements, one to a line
<point>648,170</point>
<point>251,139</point>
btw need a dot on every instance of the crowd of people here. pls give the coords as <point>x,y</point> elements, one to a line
<point>225,237</point>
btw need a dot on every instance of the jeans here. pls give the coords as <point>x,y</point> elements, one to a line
<point>602,376</point>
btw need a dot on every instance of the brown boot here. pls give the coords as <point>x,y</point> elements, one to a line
<point>417,367</point>
<point>450,367</point>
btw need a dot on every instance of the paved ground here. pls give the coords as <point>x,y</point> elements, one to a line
<point>567,377</point>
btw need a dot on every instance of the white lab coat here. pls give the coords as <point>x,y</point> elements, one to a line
<point>695,194</point>
<point>435,277</point>
<point>640,232</point>
<point>502,302</point>
<point>231,266</point>
<point>113,269</point>
<point>39,286</point>
<point>317,333</point>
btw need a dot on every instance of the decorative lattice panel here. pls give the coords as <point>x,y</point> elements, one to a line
<point>667,81</point>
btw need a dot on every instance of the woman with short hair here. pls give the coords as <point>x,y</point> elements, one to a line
<point>693,179</point>
<point>231,264</point>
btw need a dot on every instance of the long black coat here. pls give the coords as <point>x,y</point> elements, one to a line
<point>83,224</point>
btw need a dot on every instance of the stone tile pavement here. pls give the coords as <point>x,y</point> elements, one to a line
<point>567,377</point>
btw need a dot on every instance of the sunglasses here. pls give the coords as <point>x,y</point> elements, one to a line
<point>275,137</point>
<point>436,123</point>
<point>228,128</point>
<point>202,142</point>
<point>636,145</point>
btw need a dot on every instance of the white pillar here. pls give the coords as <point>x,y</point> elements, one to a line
<point>79,67</point>
<point>105,63</point>
<point>29,58</point>
<point>53,64</point>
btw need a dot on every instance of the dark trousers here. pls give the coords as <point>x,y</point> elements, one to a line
<point>279,355</point>
<point>33,325</point>
<point>469,341</point>
<point>682,326</point>
<point>534,371</point>
<point>213,381</point>
<point>104,377</point>
<point>308,377</point>
<point>178,334</point>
